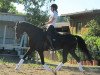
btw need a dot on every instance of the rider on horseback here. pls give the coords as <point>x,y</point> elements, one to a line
<point>51,23</point>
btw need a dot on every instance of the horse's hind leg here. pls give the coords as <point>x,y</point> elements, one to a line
<point>72,52</point>
<point>22,60</point>
<point>42,61</point>
<point>64,54</point>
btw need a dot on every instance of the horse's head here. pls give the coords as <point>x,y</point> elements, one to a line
<point>19,30</point>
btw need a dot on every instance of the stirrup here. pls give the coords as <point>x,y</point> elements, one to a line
<point>52,48</point>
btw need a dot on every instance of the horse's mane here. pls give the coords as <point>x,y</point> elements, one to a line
<point>29,25</point>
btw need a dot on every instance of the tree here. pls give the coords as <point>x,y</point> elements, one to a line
<point>34,13</point>
<point>94,27</point>
<point>7,7</point>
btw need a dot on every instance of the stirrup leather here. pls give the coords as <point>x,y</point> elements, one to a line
<point>49,39</point>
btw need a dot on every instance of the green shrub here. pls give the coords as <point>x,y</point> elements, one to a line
<point>94,27</point>
<point>98,43</point>
<point>59,55</point>
<point>93,45</point>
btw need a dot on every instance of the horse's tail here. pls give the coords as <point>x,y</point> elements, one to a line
<point>83,47</point>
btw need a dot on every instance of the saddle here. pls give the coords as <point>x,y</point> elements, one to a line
<point>55,35</point>
<point>59,32</point>
<point>63,30</point>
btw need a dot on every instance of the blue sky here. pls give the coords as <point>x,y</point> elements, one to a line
<point>71,6</point>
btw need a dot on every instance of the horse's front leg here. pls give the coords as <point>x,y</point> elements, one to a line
<point>42,61</point>
<point>22,59</point>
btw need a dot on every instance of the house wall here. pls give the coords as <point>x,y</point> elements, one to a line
<point>11,17</point>
<point>77,22</point>
<point>7,31</point>
<point>9,34</point>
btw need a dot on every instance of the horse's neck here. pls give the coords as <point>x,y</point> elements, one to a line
<point>35,32</point>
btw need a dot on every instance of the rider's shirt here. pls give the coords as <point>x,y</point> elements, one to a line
<point>55,15</point>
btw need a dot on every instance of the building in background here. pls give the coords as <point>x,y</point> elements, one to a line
<point>7,30</point>
<point>78,20</point>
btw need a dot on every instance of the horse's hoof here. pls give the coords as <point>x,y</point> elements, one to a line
<point>54,72</point>
<point>17,67</point>
<point>84,72</point>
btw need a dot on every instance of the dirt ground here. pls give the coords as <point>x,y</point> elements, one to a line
<point>7,67</point>
<point>28,69</point>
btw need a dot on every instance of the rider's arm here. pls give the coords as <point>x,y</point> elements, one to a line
<point>50,20</point>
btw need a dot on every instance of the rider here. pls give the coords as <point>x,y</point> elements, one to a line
<point>51,23</point>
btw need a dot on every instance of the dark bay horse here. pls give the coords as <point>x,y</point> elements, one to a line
<point>38,41</point>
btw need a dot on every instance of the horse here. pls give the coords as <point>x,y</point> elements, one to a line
<point>38,42</point>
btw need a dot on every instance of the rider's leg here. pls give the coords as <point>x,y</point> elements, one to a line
<point>49,34</point>
<point>50,41</point>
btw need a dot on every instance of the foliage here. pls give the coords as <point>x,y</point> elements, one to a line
<point>98,42</point>
<point>84,31</point>
<point>93,44</point>
<point>69,57</point>
<point>59,55</point>
<point>33,9</point>
<point>94,27</point>
<point>36,17</point>
<point>34,12</point>
<point>80,54</point>
<point>7,7</point>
